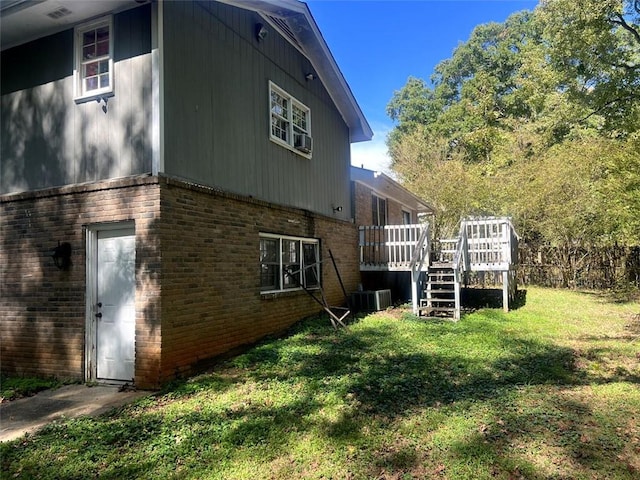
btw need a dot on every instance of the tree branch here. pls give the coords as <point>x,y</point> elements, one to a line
<point>623,23</point>
<point>608,104</point>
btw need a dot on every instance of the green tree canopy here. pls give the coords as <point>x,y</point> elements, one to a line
<point>537,118</point>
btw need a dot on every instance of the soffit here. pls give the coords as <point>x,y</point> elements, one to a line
<point>25,20</point>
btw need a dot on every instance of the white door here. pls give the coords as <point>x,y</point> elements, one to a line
<point>115,311</point>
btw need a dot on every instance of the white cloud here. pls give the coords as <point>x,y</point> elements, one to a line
<point>373,154</point>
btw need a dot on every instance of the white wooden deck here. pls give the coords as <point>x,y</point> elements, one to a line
<point>392,247</point>
<point>485,244</point>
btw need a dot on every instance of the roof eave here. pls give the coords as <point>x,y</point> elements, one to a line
<point>384,184</point>
<point>315,48</point>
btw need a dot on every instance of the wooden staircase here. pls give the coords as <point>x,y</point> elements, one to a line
<point>441,294</point>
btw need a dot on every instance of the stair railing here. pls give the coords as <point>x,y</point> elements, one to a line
<point>418,257</point>
<point>460,265</point>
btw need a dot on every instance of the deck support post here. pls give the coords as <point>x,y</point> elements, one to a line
<point>415,276</point>
<point>505,291</point>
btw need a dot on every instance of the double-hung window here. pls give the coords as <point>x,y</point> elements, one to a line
<point>290,121</point>
<point>378,210</point>
<point>288,263</point>
<point>94,59</point>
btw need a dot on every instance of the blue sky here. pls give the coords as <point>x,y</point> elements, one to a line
<point>379,44</point>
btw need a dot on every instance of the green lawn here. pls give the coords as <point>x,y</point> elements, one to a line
<point>549,391</point>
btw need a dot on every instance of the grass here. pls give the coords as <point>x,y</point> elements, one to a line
<point>12,388</point>
<point>548,391</point>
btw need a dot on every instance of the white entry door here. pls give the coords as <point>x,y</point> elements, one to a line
<point>114,309</point>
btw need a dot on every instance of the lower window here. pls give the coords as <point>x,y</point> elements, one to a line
<point>288,263</point>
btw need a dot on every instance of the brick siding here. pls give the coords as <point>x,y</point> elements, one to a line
<point>363,211</point>
<point>197,273</point>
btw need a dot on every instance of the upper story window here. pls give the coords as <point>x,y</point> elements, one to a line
<point>290,121</point>
<point>94,59</point>
<point>288,263</point>
<point>406,217</point>
<point>378,210</point>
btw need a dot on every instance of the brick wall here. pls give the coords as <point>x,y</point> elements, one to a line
<point>211,273</point>
<point>363,213</point>
<point>197,273</point>
<point>42,308</point>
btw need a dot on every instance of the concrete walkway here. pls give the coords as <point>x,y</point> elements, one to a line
<point>27,415</point>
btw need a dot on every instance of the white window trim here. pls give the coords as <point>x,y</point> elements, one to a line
<point>290,145</point>
<point>79,94</point>
<point>303,240</point>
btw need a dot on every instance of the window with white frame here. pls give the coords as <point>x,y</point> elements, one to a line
<point>288,263</point>
<point>94,59</point>
<point>290,121</point>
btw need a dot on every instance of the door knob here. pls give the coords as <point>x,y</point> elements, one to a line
<point>99,315</point>
<point>99,305</point>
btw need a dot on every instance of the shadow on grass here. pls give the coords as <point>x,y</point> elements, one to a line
<point>327,385</point>
<point>477,298</point>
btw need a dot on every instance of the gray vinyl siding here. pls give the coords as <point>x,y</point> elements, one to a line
<point>217,118</point>
<point>48,140</point>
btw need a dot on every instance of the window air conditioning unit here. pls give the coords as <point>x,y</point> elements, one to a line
<point>303,142</point>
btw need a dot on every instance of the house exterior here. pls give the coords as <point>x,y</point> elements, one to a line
<point>386,212</point>
<point>398,253</point>
<point>380,200</point>
<point>170,173</point>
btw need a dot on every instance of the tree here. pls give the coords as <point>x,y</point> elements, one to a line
<point>595,46</point>
<point>537,118</point>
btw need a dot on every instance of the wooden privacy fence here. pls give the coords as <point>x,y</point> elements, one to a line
<point>579,267</point>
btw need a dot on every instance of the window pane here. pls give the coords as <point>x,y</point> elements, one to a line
<point>382,211</point>
<point>269,277</point>
<point>279,128</point>
<point>270,264</point>
<point>310,263</point>
<point>102,49</point>
<point>91,84</point>
<point>268,250</point>
<point>279,105</point>
<point>102,34</point>
<point>104,81</point>
<point>104,66</point>
<point>88,52</point>
<point>89,38</point>
<point>290,251</point>
<point>291,274</point>
<point>374,210</point>
<point>300,118</point>
<point>91,69</point>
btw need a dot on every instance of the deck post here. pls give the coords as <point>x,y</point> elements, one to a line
<point>415,276</point>
<point>505,291</point>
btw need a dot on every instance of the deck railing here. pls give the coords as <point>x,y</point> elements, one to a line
<point>392,247</point>
<point>484,244</point>
<point>491,243</point>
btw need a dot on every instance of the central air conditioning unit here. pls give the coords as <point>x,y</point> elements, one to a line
<point>371,300</point>
<point>303,142</point>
